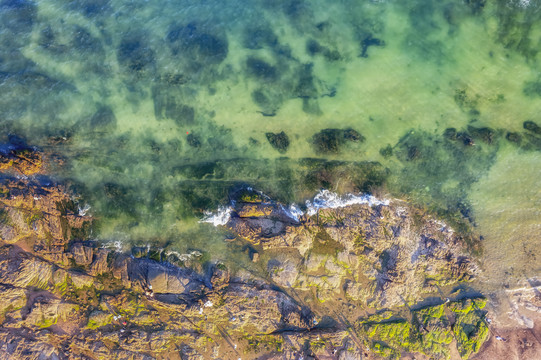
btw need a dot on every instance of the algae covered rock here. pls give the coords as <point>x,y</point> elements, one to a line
<point>430,331</point>
<point>470,328</point>
<point>47,312</point>
<point>97,319</point>
<point>279,141</point>
<point>12,299</point>
<point>19,156</point>
<point>330,141</point>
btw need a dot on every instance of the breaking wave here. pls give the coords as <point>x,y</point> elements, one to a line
<point>325,199</point>
<point>220,217</point>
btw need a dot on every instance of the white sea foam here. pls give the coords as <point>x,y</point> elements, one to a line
<point>185,257</point>
<point>83,210</point>
<point>326,199</point>
<point>293,212</point>
<point>220,217</point>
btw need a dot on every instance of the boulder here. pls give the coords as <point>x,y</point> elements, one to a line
<point>82,255</point>
<point>12,299</point>
<point>168,280</point>
<point>81,280</point>
<point>46,312</point>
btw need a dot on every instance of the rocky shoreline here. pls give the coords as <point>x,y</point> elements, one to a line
<point>361,281</point>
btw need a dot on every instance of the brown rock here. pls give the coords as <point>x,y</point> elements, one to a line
<point>99,265</point>
<point>82,255</point>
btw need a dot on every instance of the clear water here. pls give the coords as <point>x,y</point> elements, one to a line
<point>160,108</point>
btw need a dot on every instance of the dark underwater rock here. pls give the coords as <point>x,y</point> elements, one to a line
<point>465,138</point>
<point>91,8</point>
<point>194,44</point>
<point>532,88</point>
<point>259,38</point>
<point>193,140</point>
<point>84,42</point>
<point>18,16</point>
<point>329,141</point>
<point>268,101</point>
<point>279,141</point>
<point>532,127</point>
<point>313,48</point>
<point>368,41</point>
<point>485,134</point>
<point>450,134</point>
<point>182,114</point>
<point>261,69</point>
<point>513,137</point>
<point>387,151</point>
<point>104,118</point>
<point>476,6</point>
<point>134,53</point>
<point>305,86</point>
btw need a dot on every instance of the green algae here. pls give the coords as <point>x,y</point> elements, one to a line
<point>430,330</point>
<point>98,319</point>
<point>259,343</point>
<point>470,328</point>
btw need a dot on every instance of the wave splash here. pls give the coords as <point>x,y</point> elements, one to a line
<point>220,217</point>
<point>325,199</point>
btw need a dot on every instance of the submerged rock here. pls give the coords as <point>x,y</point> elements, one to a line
<point>197,45</point>
<point>368,41</point>
<point>329,141</point>
<point>135,53</point>
<point>279,141</point>
<point>20,157</point>
<point>532,127</point>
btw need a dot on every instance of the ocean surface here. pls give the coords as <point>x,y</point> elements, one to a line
<point>158,111</point>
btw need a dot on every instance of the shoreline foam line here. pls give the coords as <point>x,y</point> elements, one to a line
<point>325,199</point>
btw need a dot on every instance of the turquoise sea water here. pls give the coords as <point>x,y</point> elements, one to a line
<point>160,109</point>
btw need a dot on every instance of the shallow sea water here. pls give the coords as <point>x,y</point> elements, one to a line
<point>161,109</point>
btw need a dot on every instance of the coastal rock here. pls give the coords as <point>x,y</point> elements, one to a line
<point>47,312</point>
<point>81,280</point>
<point>313,291</point>
<point>99,264</point>
<point>25,271</point>
<point>16,346</point>
<point>397,252</point>
<point>171,281</point>
<point>12,299</point>
<point>82,255</point>
<point>20,158</point>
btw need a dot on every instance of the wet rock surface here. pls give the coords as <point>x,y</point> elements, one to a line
<point>360,281</point>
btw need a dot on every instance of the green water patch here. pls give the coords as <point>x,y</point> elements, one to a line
<point>162,110</point>
<point>441,168</point>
